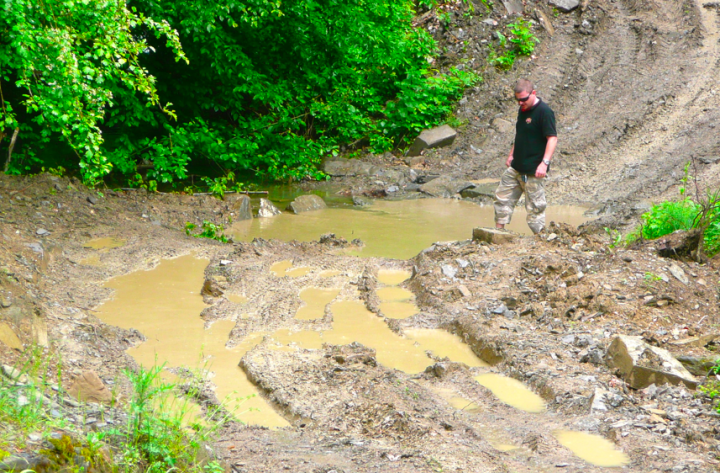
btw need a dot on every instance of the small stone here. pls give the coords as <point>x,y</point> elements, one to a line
<point>35,437</point>
<point>500,309</point>
<point>679,274</point>
<point>361,201</point>
<point>552,237</point>
<point>568,339</point>
<point>463,263</point>
<point>92,199</point>
<point>225,262</point>
<point>22,400</point>
<point>449,270</point>
<point>464,291</point>
<point>42,232</point>
<point>392,189</point>
<point>565,6</point>
<point>5,301</point>
<point>89,387</point>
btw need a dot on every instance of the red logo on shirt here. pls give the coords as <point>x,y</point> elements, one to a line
<point>528,121</point>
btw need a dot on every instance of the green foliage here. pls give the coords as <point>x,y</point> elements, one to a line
<point>209,230</point>
<point>219,185</point>
<point>271,87</point>
<point>63,63</point>
<point>522,40</point>
<point>667,217</point>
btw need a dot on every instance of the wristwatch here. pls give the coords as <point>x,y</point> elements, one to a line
<point>546,162</point>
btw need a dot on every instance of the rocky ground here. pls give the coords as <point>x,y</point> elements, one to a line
<point>632,83</point>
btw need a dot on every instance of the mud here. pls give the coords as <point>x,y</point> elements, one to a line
<point>341,384</point>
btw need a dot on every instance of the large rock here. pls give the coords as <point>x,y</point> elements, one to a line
<point>495,236</point>
<point>306,203</point>
<point>433,138</point>
<point>89,387</point>
<point>267,209</point>
<point>445,186</point>
<point>347,167</point>
<point>480,190</point>
<point>565,5</point>
<point>8,337</point>
<point>641,364</point>
<point>242,208</point>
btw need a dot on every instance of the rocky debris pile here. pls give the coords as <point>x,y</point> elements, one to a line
<point>552,311</point>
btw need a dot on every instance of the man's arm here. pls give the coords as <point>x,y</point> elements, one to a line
<point>510,156</point>
<point>541,170</point>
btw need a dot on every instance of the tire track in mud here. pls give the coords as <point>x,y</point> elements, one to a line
<point>637,133</point>
<point>653,143</point>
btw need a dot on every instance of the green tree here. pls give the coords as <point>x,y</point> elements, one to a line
<point>63,63</point>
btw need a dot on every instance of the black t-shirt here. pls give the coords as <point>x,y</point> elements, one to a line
<point>531,133</point>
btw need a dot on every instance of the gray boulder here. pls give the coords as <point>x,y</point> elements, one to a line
<point>478,191</point>
<point>445,186</point>
<point>267,209</point>
<point>641,364</point>
<point>433,138</point>
<point>361,201</point>
<point>306,203</point>
<point>242,208</point>
<point>347,167</point>
<point>565,6</point>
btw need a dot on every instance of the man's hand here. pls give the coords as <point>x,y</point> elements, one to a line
<point>541,171</point>
<point>509,161</point>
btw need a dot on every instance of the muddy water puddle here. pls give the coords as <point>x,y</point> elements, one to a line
<point>395,302</point>
<point>512,392</point>
<point>392,277</point>
<point>104,243</point>
<point>285,268</point>
<point>444,344</point>
<point>394,229</point>
<point>315,300</point>
<point>164,304</point>
<point>592,448</point>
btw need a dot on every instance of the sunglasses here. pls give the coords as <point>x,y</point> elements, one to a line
<point>524,99</point>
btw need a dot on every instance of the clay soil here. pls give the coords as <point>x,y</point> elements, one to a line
<point>633,84</point>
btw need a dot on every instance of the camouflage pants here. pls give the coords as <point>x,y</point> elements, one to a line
<point>508,193</point>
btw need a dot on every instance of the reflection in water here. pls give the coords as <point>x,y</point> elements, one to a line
<point>393,229</point>
<point>316,300</point>
<point>164,304</point>
<point>512,392</point>
<point>592,448</point>
<point>445,344</point>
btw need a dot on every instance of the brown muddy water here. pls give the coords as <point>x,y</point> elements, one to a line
<point>592,448</point>
<point>394,229</point>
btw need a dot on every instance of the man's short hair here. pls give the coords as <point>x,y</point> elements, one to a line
<point>524,85</point>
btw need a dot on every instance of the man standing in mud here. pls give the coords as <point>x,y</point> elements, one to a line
<point>528,161</point>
